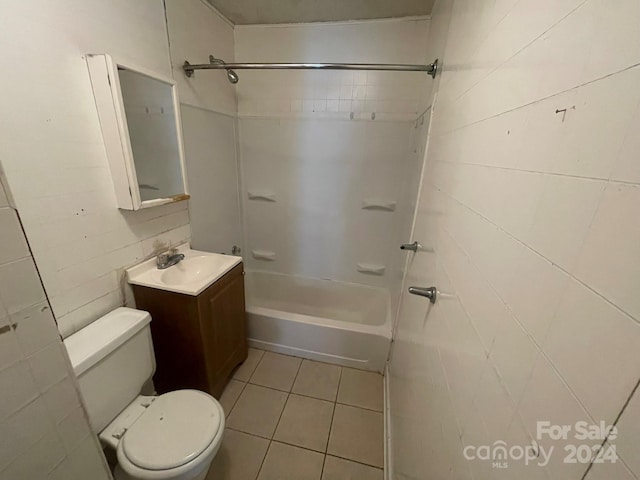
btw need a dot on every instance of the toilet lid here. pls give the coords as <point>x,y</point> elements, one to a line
<point>176,428</point>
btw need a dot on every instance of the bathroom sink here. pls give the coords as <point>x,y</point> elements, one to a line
<point>191,269</point>
<point>190,276</point>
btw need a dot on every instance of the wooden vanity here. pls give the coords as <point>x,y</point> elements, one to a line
<point>198,339</point>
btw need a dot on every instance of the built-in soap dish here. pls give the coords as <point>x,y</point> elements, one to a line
<point>379,204</point>
<point>371,268</point>
<point>262,196</point>
<point>263,255</point>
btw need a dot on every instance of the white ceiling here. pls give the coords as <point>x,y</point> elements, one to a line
<point>246,12</point>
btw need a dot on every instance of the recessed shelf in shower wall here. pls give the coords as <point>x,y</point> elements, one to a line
<point>263,255</point>
<point>371,268</point>
<point>379,204</point>
<point>262,196</point>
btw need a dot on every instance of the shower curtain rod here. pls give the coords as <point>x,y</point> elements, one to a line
<point>217,64</point>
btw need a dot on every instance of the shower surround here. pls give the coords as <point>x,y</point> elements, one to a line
<point>329,168</point>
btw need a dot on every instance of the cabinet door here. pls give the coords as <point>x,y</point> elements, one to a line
<point>224,331</point>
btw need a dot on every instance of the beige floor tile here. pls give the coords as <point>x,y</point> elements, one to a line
<point>230,395</point>
<point>357,434</point>
<point>239,458</point>
<point>341,469</point>
<point>257,411</point>
<point>361,389</point>
<point>276,371</point>
<point>318,380</point>
<point>285,462</point>
<point>244,371</point>
<point>305,422</point>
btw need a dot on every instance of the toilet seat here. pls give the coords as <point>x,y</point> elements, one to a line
<point>175,438</point>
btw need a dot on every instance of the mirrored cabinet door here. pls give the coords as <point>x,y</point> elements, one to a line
<point>140,120</point>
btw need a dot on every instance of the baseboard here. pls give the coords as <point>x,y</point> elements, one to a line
<point>388,461</point>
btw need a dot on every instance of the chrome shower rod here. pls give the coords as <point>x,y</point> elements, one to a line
<point>217,64</point>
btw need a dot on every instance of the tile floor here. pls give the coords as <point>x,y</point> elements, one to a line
<point>295,419</point>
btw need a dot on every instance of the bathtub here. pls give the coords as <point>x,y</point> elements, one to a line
<point>335,322</point>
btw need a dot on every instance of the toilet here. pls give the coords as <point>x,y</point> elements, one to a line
<point>173,436</point>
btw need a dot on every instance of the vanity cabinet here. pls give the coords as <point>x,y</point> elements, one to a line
<point>198,340</point>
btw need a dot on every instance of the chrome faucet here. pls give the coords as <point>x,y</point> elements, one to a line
<point>169,258</point>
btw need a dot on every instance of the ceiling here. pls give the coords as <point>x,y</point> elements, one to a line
<point>246,12</point>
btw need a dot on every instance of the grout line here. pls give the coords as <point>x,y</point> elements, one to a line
<point>256,367</point>
<point>540,172</point>
<point>539,100</point>
<point>356,461</point>
<point>635,390</point>
<point>305,448</point>
<point>333,415</point>
<point>244,385</point>
<point>264,458</point>
<point>269,387</point>
<point>538,347</point>
<point>524,47</point>
<point>361,408</point>
<point>528,247</point>
<point>253,434</point>
<point>285,403</point>
<point>324,461</point>
<point>166,26</point>
<point>280,417</point>
<point>339,384</point>
<point>289,393</point>
<point>284,442</point>
<point>326,448</point>
<point>311,397</point>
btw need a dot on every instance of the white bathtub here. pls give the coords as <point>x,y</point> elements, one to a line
<point>335,322</point>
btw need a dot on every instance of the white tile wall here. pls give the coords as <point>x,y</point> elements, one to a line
<point>629,433</point>
<point>534,238</point>
<point>299,143</point>
<point>333,94</point>
<point>53,155</point>
<point>209,109</point>
<point>195,32</point>
<point>44,430</point>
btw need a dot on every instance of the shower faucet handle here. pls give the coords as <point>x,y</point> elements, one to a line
<point>429,292</point>
<point>410,246</point>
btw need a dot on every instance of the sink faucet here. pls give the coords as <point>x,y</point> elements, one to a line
<point>168,258</point>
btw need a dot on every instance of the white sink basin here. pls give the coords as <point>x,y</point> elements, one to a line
<point>192,269</point>
<point>190,276</point>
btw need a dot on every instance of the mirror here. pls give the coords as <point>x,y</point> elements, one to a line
<point>148,106</point>
<point>140,121</point>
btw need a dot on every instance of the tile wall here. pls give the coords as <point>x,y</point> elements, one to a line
<point>53,154</point>
<point>530,205</point>
<point>209,124</point>
<point>334,94</point>
<point>319,146</point>
<point>44,432</point>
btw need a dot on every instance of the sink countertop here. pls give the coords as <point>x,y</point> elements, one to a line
<point>190,276</point>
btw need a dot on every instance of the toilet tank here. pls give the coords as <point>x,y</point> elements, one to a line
<point>112,358</point>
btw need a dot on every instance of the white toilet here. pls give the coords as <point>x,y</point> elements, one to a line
<point>174,436</point>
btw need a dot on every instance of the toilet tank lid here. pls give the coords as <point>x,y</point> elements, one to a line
<point>98,339</point>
